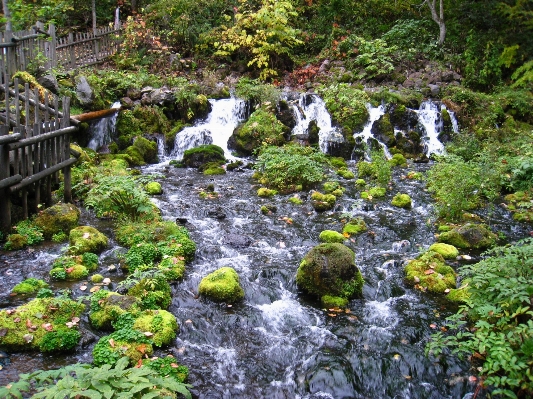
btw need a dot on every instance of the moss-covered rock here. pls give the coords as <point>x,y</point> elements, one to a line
<point>29,286</point>
<point>345,173</point>
<point>142,151</point>
<point>329,269</point>
<point>322,202</point>
<point>266,192</point>
<point>222,285</point>
<point>296,200</point>
<point>27,327</point>
<point>354,227</point>
<point>476,236</point>
<point>401,201</point>
<point>331,236</point>
<point>330,302</point>
<point>429,273</point>
<point>338,162</point>
<point>213,168</point>
<point>196,157</point>
<point>398,160</point>
<point>153,188</point>
<point>86,239</point>
<point>162,326</point>
<point>377,192</point>
<point>154,293</point>
<point>107,306</point>
<point>97,278</point>
<point>460,295</point>
<point>360,183</point>
<point>262,127</point>
<point>268,209</point>
<point>447,251</point>
<point>172,267</point>
<point>15,242</point>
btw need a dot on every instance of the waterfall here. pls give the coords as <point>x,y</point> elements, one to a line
<point>430,117</point>
<point>366,133</point>
<point>102,131</point>
<point>312,108</point>
<point>226,114</point>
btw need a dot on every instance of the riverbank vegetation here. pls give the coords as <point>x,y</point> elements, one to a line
<point>177,54</point>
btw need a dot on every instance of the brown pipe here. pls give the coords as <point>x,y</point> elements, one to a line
<point>89,116</point>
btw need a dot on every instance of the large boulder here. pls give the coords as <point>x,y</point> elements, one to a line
<point>84,92</point>
<point>428,272</point>
<point>86,239</point>
<point>107,306</point>
<point>469,236</point>
<point>58,218</point>
<point>330,269</point>
<point>222,286</point>
<point>198,156</point>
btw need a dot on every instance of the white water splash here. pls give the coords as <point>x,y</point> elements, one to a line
<point>315,110</point>
<point>429,116</point>
<point>224,117</point>
<point>374,115</point>
<point>102,131</point>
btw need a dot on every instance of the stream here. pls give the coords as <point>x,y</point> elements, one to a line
<point>279,343</point>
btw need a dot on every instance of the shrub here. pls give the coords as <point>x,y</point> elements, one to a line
<point>347,105</point>
<point>494,328</point>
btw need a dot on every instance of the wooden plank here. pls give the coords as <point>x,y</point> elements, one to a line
<point>40,137</point>
<point>10,181</point>
<point>10,138</point>
<point>5,203</point>
<point>38,176</point>
<point>67,176</point>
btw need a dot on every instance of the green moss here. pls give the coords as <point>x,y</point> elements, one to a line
<point>57,218</point>
<point>160,323</point>
<point>261,128</point>
<point>222,286</point>
<point>266,192</point>
<point>354,227</point>
<point>330,302</point>
<point>214,169</point>
<point>414,175</point>
<point>331,236</point>
<point>398,160</point>
<point>443,228</point>
<point>153,188</point>
<point>26,325</point>
<point>29,286</point>
<point>377,192</point>
<point>322,202</point>
<point>97,278</point>
<point>197,156</point>
<point>154,293</point>
<point>86,239</point>
<point>107,306</point>
<point>268,209</point>
<point>133,233</point>
<point>360,183</point>
<point>447,251</point>
<point>345,173</point>
<point>460,295</point>
<point>296,200</point>
<point>338,162</point>
<point>77,272</point>
<point>172,267</point>
<point>401,201</point>
<point>476,236</point>
<point>331,186</point>
<point>15,242</point>
<point>366,169</point>
<point>329,269</point>
<point>429,272</point>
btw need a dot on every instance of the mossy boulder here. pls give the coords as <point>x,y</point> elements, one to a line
<point>330,302</point>
<point>84,155</point>
<point>262,127</point>
<point>222,285</point>
<point>153,188</point>
<point>331,236</point>
<point>86,239</point>
<point>29,286</point>
<point>162,326</point>
<point>296,200</point>
<point>213,168</point>
<point>197,156</point>
<point>41,325</point>
<point>447,251</point>
<point>398,160</point>
<point>354,227</point>
<point>15,242</point>
<point>322,202</point>
<point>172,267</point>
<point>360,183</point>
<point>74,267</point>
<point>97,278</point>
<point>345,173</point>
<point>142,151</point>
<point>459,295</point>
<point>469,236</point>
<point>107,306</point>
<point>333,187</point>
<point>154,293</point>
<point>428,272</point>
<point>401,201</point>
<point>330,269</point>
<point>266,192</point>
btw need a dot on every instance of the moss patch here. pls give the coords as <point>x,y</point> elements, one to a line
<point>331,236</point>
<point>322,202</point>
<point>401,201</point>
<point>222,286</point>
<point>447,251</point>
<point>57,218</point>
<point>429,273</point>
<point>29,286</point>
<point>153,188</point>
<point>476,236</point>
<point>86,239</point>
<point>354,227</point>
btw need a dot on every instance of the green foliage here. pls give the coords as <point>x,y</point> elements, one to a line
<point>381,167</point>
<point>482,58</point>
<point>132,233</point>
<point>264,37</point>
<point>29,286</point>
<point>28,229</point>
<point>523,76</point>
<point>109,382</point>
<point>119,196</point>
<point>290,167</point>
<point>257,92</point>
<point>347,105</point>
<point>412,39</point>
<point>168,367</point>
<point>60,237</point>
<point>496,326</point>
<point>60,340</point>
<point>141,254</point>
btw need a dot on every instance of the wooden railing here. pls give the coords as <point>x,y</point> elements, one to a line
<point>38,46</point>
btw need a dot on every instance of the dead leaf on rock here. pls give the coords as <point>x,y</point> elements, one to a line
<point>112,343</point>
<point>174,365</point>
<point>148,334</point>
<point>16,320</point>
<point>433,326</point>
<point>429,271</point>
<point>10,311</point>
<point>28,338</point>
<point>48,326</point>
<point>86,235</point>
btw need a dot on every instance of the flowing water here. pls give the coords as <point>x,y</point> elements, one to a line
<point>279,343</point>
<point>102,131</point>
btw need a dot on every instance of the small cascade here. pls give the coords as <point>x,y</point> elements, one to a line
<point>430,117</point>
<point>366,135</point>
<point>102,131</point>
<point>312,108</point>
<point>161,150</point>
<point>224,117</point>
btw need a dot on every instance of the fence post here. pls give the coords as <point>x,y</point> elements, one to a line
<point>51,44</point>
<point>5,202</point>
<point>11,55</point>
<point>71,51</point>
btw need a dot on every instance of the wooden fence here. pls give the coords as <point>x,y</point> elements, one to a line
<point>27,49</point>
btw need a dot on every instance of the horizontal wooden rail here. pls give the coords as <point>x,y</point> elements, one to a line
<point>41,137</point>
<point>10,138</point>
<point>10,181</point>
<point>38,176</point>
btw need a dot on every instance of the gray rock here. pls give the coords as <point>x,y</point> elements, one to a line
<point>237,240</point>
<point>126,102</point>
<point>49,82</point>
<point>161,96</point>
<point>84,92</point>
<point>435,90</point>
<point>134,94</point>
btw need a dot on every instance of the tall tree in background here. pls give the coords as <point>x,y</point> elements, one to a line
<point>7,15</point>
<point>438,17</point>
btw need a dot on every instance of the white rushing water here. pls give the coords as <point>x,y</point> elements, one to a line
<point>374,114</point>
<point>224,117</point>
<point>430,116</point>
<point>102,131</point>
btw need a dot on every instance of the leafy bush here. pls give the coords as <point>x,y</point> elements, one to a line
<point>347,105</point>
<point>257,92</point>
<point>412,39</point>
<point>32,232</point>
<point>84,380</point>
<point>495,326</point>
<point>291,167</point>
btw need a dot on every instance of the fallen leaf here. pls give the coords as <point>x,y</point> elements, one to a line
<point>3,331</point>
<point>416,279</point>
<point>346,235</point>
<point>70,324</point>
<point>139,364</point>
<point>332,315</point>
<point>48,326</point>
<point>75,319</point>
<point>429,271</point>
<point>94,289</point>
<point>472,378</point>
<point>86,235</point>
<point>148,334</point>
<point>407,377</point>
<point>443,329</point>
<point>83,288</point>
<point>10,311</point>
<point>188,321</point>
<point>112,343</point>
<point>174,365</point>
<point>69,269</point>
<point>28,338</point>
<point>29,325</point>
<point>433,326</point>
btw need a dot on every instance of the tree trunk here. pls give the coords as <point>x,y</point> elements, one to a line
<point>7,15</point>
<point>93,6</point>
<point>438,18</point>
